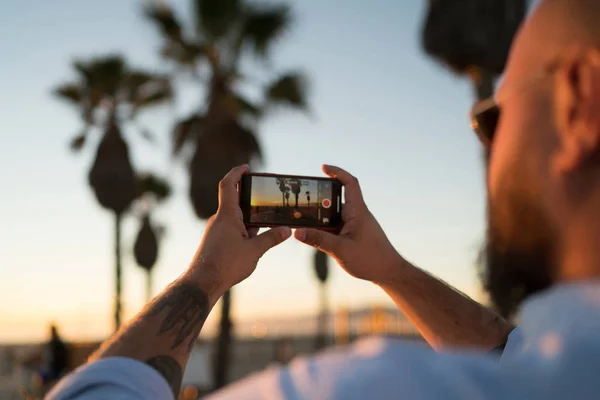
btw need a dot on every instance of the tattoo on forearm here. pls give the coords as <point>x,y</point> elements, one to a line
<point>170,370</point>
<point>188,307</point>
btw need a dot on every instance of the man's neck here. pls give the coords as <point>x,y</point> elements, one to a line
<point>580,249</point>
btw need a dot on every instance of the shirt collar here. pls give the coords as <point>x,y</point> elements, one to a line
<point>572,308</point>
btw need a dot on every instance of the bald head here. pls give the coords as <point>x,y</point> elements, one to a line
<point>555,26</point>
<point>570,21</point>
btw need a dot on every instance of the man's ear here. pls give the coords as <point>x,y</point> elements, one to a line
<point>577,112</point>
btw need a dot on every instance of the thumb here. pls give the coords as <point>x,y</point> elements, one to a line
<point>271,238</point>
<point>325,241</point>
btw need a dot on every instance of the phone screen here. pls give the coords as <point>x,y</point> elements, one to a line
<point>274,200</point>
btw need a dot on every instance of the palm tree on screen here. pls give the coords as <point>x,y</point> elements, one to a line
<point>210,48</point>
<point>283,188</point>
<point>110,94</point>
<point>295,186</point>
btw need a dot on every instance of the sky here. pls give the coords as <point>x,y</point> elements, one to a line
<point>265,191</point>
<point>379,108</point>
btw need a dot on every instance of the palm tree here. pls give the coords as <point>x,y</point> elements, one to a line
<point>151,191</point>
<point>282,187</point>
<point>296,186</point>
<point>222,132</point>
<point>308,197</point>
<point>473,37</point>
<point>321,265</point>
<point>108,94</point>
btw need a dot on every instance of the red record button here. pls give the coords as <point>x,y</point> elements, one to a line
<point>326,203</point>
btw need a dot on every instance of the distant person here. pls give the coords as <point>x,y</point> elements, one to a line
<point>543,192</point>
<point>55,358</point>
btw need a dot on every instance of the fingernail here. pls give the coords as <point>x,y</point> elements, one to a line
<point>300,235</point>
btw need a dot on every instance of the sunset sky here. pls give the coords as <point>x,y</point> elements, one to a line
<point>378,107</point>
<point>265,191</point>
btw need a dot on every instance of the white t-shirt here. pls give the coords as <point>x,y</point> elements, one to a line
<point>553,355</point>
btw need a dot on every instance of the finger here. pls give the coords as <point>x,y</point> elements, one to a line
<point>325,241</point>
<point>271,238</point>
<point>352,188</point>
<point>252,232</point>
<point>228,193</point>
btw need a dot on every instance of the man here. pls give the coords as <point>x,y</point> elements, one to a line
<point>55,358</point>
<point>543,138</point>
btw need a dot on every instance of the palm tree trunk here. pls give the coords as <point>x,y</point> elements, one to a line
<point>118,272</point>
<point>148,286</point>
<point>224,343</point>
<point>321,338</point>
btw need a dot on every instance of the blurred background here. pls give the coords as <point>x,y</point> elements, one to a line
<point>120,117</point>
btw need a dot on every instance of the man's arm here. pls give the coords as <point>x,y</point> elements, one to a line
<point>163,334</point>
<point>444,316</point>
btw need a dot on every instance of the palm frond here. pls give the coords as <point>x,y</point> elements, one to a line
<point>184,52</point>
<point>191,52</point>
<point>145,89</point>
<point>77,142</point>
<point>263,26</point>
<point>246,107</point>
<point>215,18</point>
<point>71,92</point>
<point>103,75</point>
<point>165,20</point>
<point>138,78</point>
<point>150,184</point>
<point>157,96</point>
<point>83,70</point>
<point>185,130</point>
<point>289,89</point>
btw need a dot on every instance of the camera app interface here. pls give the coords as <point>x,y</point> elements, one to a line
<point>294,201</point>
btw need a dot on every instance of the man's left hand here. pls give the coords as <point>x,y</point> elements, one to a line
<point>229,252</point>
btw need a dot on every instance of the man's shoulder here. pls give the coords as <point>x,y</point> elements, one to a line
<point>386,366</point>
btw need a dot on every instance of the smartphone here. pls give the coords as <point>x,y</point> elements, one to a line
<point>269,200</point>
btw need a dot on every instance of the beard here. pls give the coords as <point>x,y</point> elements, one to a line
<point>519,258</point>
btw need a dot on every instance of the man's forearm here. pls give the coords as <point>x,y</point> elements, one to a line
<point>444,316</point>
<point>164,333</point>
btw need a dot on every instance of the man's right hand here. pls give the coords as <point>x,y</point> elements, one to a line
<point>362,247</point>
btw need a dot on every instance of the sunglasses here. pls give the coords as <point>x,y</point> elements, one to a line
<point>484,120</point>
<point>486,113</point>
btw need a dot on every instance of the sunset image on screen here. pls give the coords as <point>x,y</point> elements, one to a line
<point>291,200</point>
